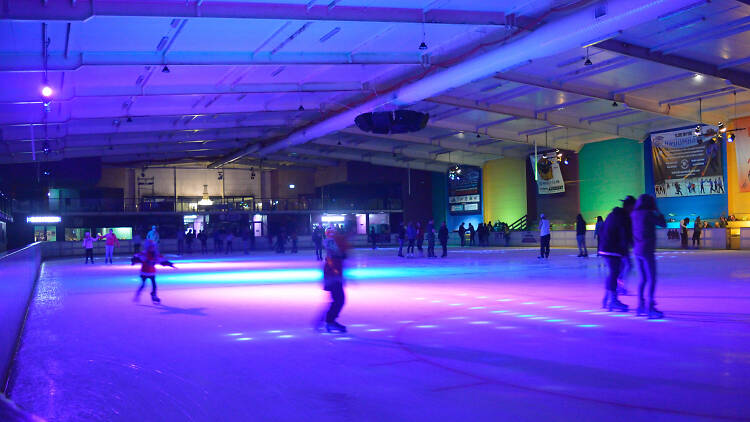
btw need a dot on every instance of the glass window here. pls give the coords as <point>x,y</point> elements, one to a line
<point>45,233</point>
<point>122,233</point>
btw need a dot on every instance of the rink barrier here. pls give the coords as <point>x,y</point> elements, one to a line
<point>713,238</point>
<point>20,270</point>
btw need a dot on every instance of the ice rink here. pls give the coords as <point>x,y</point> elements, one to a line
<point>484,335</point>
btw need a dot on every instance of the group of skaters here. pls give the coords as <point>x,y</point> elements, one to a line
<point>480,236</point>
<point>414,235</point>
<point>632,225</point>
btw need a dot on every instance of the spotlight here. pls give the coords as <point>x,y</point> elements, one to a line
<point>730,138</point>
<point>566,162</point>
<point>165,69</point>
<point>454,173</point>
<point>45,148</point>
<point>301,108</point>
<point>722,128</point>
<point>697,131</point>
<point>423,46</point>
<point>587,62</point>
<point>713,139</point>
<point>46,91</point>
<point>614,104</point>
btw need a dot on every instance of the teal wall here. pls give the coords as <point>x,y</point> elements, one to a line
<point>609,171</point>
<point>439,197</point>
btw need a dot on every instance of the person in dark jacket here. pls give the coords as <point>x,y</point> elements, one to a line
<point>430,239</point>
<point>598,230</point>
<point>317,238</point>
<point>472,234</point>
<point>616,238</point>
<point>684,233</point>
<point>462,234</point>
<point>697,227</point>
<point>645,218</point>
<point>443,237</point>
<point>401,238</point>
<point>581,236</point>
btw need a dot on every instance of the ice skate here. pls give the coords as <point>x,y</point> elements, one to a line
<point>616,305</point>
<point>332,327</point>
<point>155,298</point>
<point>605,301</point>
<point>654,313</point>
<point>641,311</point>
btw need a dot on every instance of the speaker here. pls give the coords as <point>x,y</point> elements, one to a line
<point>385,122</point>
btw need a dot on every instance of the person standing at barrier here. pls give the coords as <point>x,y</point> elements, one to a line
<point>431,239</point>
<point>149,258</point>
<point>411,236</point>
<point>544,237</point>
<point>697,227</point>
<point>443,237</point>
<point>317,239</point>
<point>373,237</point>
<point>189,239</point>
<point>581,236</point>
<point>153,235</point>
<point>401,238</point>
<point>645,218</point>
<point>111,242</point>
<point>598,230</point>
<point>462,234</point>
<point>88,246</point>
<point>203,238</point>
<point>684,232</point>
<point>616,238</point>
<point>420,239</point>
<point>472,235</point>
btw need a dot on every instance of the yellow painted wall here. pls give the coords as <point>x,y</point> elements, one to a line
<point>504,189</point>
<point>739,202</point>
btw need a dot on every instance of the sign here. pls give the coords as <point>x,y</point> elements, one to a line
<point>549,177</point>
<point>742,149</point>
<point>686,164</point>
<point>465,194</point>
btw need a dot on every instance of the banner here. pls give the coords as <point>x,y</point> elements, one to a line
<point>549,178</point>
<point>687,165</point>
<point>742,149</point>
<point>465,194</point>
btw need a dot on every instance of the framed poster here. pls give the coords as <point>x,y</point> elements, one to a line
<point>686,164</point>
<point>549,177</point>
<point>465,194</point>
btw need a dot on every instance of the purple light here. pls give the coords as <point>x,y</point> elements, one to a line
<point>47,92</point>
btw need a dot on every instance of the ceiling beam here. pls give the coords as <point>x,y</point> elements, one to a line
<point>452,144</point>
<point>33,62</point>
<point>733,76</point>
<point>165,136</point>
<point>368,158</point>
<point>551,116</point>
<point>56,155</point>
<point>84,9</point>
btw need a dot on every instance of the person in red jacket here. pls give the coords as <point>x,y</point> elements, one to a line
<point>110,243</point>
<point>149,258</point>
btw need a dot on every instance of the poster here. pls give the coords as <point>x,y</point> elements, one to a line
<point>465,194</point>
<point>742,149</point>
<point>549,177</point>
<point>687,165</point>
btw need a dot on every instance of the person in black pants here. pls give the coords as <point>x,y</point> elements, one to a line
<point>401,237</point>
<point>544,236</point>
<point>333,278</point>
<point>317,238</point>
<point>616,238</point>
<point>462,234</point>
<point>443,237</point>
<point>373,237</point>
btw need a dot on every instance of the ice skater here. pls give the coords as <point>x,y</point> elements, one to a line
<point>443,237</point>
<point>581,237</point>
<point>401,237</point>
<point>153,235</point>
<point>616,238</point>
<point>431,239</point>
<point>544,237</point>
<point>411,235</point>
<point>684,232</point>
<point>111,242</point>
<point>149,258</point>
<point>317,238</point>
<point>645,218</point>
<point>333,278</point>
<point>88,246</point>
<point>420,239</point>
<point>697,227</point>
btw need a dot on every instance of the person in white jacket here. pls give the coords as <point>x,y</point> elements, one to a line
<point>544,237</point>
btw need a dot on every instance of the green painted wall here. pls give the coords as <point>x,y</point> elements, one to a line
<point>439,197</point>
<point>504,189</point>
<point>609,171</point>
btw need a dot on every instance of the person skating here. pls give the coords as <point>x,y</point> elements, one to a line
<point>411,236</point>
<point>581,236</point>
<point>645,218</point>
<point>137,240</point>
<point>333,278</point>
<point>431,239</point>
<point>401,238</point>
<point>598,230</point>
<point>462,234</point>
<point>420,239</point>
<point>697,227</point>
<point>443,237</point>
<point>373,237</point>
<point>544,237</point>
<point>616,238</point>
<point>88,246</point>
<point>229,242</point>
<point>317,238</point>
<point>204,241</point>
<point>148,259</point>
<point>153,235</point>
<point>684,232</point>
<point>110,242</point>
<point>189,239</point>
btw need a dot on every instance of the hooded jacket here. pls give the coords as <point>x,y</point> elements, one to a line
<point>617,235</point>
<point>644,231</point>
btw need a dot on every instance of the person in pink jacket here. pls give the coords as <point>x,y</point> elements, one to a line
<point>88,246</point>
<point>111,242</point>
<point>149,258</point>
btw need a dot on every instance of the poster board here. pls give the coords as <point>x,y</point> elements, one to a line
<point>465,194</point>
<point>687,165</point>
<point>549,178</point>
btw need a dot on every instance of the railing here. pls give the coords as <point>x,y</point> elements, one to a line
<point>521,224</point>
<point>193,204</point>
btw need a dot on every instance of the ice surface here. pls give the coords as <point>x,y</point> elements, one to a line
<point>484,335</point>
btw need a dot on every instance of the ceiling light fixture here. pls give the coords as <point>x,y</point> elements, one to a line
<point>614,104</point>
<point>46,91</point>
<point>165,69</point>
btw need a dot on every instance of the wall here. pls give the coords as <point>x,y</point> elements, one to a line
<point>302,179</point>
<point>609,171</point>
<point>19,270</point>
<point>560,208</point>
<point>705,206</point>
<point>738,202</point>
<point>504,189</point>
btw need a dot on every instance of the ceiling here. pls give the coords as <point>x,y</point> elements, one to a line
<point>173,81</point>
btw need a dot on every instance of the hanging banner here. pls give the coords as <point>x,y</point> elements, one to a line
<point>687,165</point>
<point>549,177</point>
<point>465,194</point>
<point>742,149</point>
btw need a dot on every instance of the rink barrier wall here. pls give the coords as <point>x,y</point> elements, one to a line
<point>20,271</point>
<point>710,239</point>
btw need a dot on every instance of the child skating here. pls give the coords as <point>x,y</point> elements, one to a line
<point>88,246</point>
<point>148,259</point>
<point>333,278</point>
